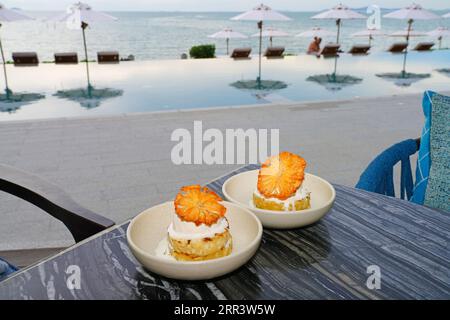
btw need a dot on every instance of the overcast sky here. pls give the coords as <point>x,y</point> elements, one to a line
<point>215,5</point>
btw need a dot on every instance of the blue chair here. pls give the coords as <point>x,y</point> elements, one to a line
<point>81,222</point>
<point>379,175</point>
<point>6,269</point>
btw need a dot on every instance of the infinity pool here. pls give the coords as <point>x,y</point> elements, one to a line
<point>50,91</point>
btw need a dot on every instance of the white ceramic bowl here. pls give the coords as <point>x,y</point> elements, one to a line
<point>148,229</point>
<point>239,189</point>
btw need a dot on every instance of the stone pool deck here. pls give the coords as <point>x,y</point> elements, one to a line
<point>119,165</point>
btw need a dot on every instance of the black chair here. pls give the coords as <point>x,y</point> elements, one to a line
<point>81,222</point>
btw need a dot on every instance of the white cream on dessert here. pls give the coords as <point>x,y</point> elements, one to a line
<point>300,194</point>
<point>184,230</point>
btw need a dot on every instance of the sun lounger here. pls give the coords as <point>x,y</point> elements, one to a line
<point>274,52</point>
<point>241,53</point>
<point>330,50</point>
<point>66,58</point>
<point>25,58</point>
<point>424,46</point>
<point>359,49</point>
<point>108,57</point>
<point>398,47</point>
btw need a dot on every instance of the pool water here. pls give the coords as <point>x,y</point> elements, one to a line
<point>142,86</point>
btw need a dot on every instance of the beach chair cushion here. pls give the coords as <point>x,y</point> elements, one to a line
<point>6,269</point>
<point>433,164</point>
<point>330,49</point>
<point>359,49</point>
<point>398,47</point>
<point>108,56</point>
<point>274,52</point>
<point>241,53</point>
<point>66,57</point>
<point>25,58</point>
<point>424,46</point>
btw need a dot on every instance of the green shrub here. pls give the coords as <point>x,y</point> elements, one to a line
<point>203,51</point>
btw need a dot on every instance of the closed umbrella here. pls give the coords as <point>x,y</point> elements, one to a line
<point>315,32</point>
<point>271,32</point>
<point>339,13</point>
<point>8,15</point>
<point>411,13</point>
<point>80,16</point>
<point>439,33</point>
<point>227,34</point>
<point>260,14</point>
<point>369,33</point>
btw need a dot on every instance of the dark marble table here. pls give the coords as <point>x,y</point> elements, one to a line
<point>329,260</point>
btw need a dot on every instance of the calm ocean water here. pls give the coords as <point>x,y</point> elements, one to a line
<point>151,35</point>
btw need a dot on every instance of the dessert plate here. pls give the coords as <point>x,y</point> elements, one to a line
<point>147,231</point>
<point>239,189</point>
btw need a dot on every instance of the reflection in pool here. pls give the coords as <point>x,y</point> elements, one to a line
<point>13,101</point>
<point>88,97</point>
<point>445,71</point>
<point>334,81</point>
<point>403,78</point>
<point>143,86</point>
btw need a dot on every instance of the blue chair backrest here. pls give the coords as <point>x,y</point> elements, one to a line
<point>379,175</point>
<point>6,269</point>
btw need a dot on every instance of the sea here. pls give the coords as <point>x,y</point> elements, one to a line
<point>167,35</point>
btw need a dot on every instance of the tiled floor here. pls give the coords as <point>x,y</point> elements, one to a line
<point>120,165</point>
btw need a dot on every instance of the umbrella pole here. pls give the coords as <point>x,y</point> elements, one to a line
<point>260,26</point>
<point>271,42</point>
<point>228,43</point>
<point>338,23</point>
<point>440,43</point>
<point>370,41</point>
<point>335,65</point>
<point>4,67</point>
<point>83,27</point>
<point>410,21</point>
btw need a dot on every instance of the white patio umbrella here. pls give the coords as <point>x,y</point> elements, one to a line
<point>370,33</point>
<point>260,14</point>
<point>80,16</point>
<point>227,34</point>
<point>439,33</point>
<point>8,15</point>
<point>446,15</point>
<point>272,32</point>
<point>411,13</point>
<point>339,13</point>
<point>315,32</point>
